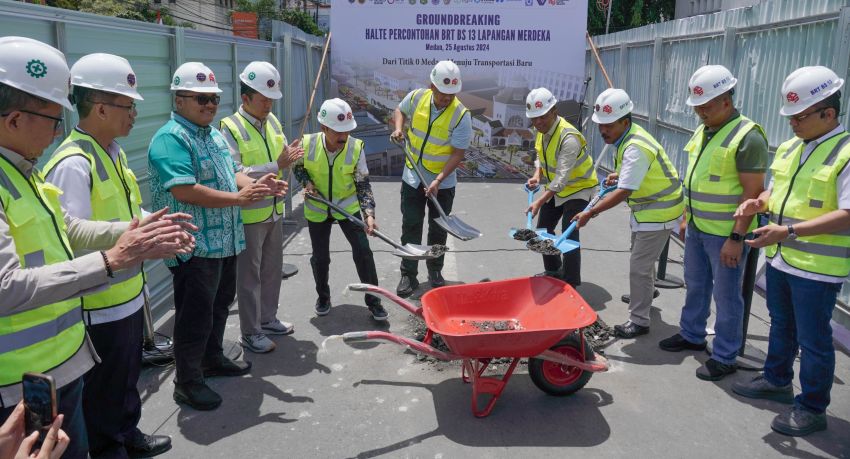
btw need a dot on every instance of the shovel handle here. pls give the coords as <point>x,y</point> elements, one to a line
<point>603,190</point>
<point>531,192</point>
<point>354,219</point>
<point>419,174</point>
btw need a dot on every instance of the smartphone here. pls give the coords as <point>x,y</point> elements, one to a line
<point>39,404</point>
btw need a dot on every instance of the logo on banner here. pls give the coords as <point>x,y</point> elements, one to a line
<point>541,2</point>
<point>529,2</point>
<point>423,2</point>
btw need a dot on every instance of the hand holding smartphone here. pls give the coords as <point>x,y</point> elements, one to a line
<point>39,404</point>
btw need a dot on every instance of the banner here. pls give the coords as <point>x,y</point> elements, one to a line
<point>383,49</point>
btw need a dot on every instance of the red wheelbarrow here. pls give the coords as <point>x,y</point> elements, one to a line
<point>536,317</point>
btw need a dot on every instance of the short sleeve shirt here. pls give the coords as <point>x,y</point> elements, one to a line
<point>183,153</point>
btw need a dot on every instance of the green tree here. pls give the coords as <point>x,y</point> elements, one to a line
<point>627,15</point>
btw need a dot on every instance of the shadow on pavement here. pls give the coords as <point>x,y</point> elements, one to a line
<point>644,349</point>
<point>595,295</point>
<point>834,441</point>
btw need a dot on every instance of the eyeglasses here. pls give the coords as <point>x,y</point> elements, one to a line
<point>131,107</point>
<point>203,99</point>
<point>57,121</point>
<point>800,118</point>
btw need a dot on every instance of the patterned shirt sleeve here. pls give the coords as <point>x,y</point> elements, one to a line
<point>172,161</point>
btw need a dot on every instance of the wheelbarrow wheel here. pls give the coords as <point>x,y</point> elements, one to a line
<point>556,379</point>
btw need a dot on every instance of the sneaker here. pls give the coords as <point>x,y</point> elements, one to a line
<point>276,327</point>
<point>436,279</point>
<point>712,370</point>
<point>758,387</point>
<point>197,395</point>
<point>630,330</point>
<point>258,343</point>
<point>378,312</point>
<point>323,307</point>
<point>406,285</point>
<point>677,343</point>
<point>798,422</point>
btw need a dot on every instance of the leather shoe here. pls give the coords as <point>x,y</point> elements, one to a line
<point>197,395</point>
<point>143,445</point>
<point>627,298</point>
<point>406,285</point>
<point>436,279</point>
<point>227,367</point>
<point>712,370</point>
<point>630,330</point>
<point>798,422</point>
<point>323,307</point>
<point>677,343</point>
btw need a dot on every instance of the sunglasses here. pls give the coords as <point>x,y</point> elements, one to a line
<point>203,99</point>
<point>57,121</point>
<point>131,107</point>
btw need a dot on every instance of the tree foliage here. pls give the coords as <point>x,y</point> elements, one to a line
<point>628,15</point>
<point>136,10</point>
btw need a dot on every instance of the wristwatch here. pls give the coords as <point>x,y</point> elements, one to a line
<point>737,237</point>
<point>792,235</point>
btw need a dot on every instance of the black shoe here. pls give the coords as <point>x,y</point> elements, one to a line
<point>677,343</point>
<point>378,312</point>
<point>554,274</point>
<point>143,445</point>
<point>197,395</point>
<point>630,330</point>
<point>323,307</point>
<point>436,279</point>
<point>406,285</point>
<point>712,370</point>
<point>798,422</point>
<point>227,367</point>
<point>626,298</point>
<point>758,387</point>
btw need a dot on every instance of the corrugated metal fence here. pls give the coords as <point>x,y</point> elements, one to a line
<point>155,51</point>
<point>761,45</point>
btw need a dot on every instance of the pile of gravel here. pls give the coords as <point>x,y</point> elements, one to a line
<point>525,234</point>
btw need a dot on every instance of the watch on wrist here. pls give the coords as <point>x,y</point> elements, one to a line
<point>791,233</point>
<point>737,237</point>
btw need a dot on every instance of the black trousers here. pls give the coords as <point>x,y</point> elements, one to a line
<point>413,203</point>
<point>204,289</point>
<point>111,401</point>
<point>364,262</point>
<point>548,218</point>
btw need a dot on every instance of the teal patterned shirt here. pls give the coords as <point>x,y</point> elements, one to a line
<point>183,153</point>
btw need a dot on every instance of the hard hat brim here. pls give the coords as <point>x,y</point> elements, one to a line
<point>271,94</point>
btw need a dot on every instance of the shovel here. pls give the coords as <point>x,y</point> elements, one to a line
<point>548,244</point>
<point>408,251</point>
<point>453,225</point>
<point>528,233</point>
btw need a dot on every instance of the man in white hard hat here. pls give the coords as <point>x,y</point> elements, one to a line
<point>259,146</point>
<point>439,134</point>
<point>727,160</point>
<point>563,159</point>
<point>334,167</point>
<point>191,168</point>
<point>808,247</point>
<point>43,329</point>
<point>98,184</point>
<point>649,183</point>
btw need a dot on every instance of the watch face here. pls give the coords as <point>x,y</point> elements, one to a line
<point>735,237</point>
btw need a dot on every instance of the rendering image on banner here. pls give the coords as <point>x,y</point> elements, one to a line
<point>382,50</point>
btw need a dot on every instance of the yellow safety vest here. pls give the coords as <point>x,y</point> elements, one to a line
<point>659,198</point>
<point>255,150</point>
<point>581,176</point>
<point>805,191</point>
<point>431,140</point>
<point>115,197</point>
<point>712,187</point>
<point>334,180</point>
<point>44,337</point>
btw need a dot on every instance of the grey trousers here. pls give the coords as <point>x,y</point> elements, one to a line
<point>258,275</point>
<point>646,248</point>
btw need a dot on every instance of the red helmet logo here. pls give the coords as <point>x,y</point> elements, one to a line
<point>698,90</point>
<point>212,78</point>
<point>349,116</point>
<point>538,104</point>
<point>454,82</point>
<point>792,97</point>
<point>607,109</point>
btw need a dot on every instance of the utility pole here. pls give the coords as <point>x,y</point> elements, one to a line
<point>608,20</point>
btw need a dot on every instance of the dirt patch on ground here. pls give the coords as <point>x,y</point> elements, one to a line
<point>525,234</point>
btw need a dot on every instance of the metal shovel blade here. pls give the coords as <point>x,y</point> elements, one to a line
<point>417,252</point>
<point>457,228</point>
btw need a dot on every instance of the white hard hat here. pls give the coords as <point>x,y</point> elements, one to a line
<point>336,114</point>
<point>195,77</point>
<point>807,86</point>
<point>708,82</point>
<point>611,105</point>
<point>105,72</point>
<point>446,77</point>
<point>263,78</point>
<point>35,68</point>
<point>538,102</point>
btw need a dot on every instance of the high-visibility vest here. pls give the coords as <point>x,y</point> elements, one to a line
<point>255,150</point>
<point>115,197</point>
<point>712,187</point>
<point>659,198</point>
<point>805,191</point>
<point>428,139</point>
<point>335,181</point>
<point>581,176</point>
<point>44,337</point>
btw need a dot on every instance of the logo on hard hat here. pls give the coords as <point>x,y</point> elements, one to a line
<point>201,77</point>
<point>323,113</point>
<point>607,109</point>
<point>36,68</point>
<point>251,76</point>
<point>454,82</point>
<point>340,117</point>
<point>596,108</point>
<point>697,90</point>
<point>538,104</point>
<point>792,97</point>
<point>131,80</point>
<point>270,83</point>
<point>349,116</point>
<point>177,81</point>
<point>446,81</point>
<point>212,77</point>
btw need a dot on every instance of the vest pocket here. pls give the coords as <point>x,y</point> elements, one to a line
<point>719,165</point>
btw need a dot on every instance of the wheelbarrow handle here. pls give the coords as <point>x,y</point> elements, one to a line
<point>418,346</point>
<point>419,174</point>
<point>318,197</point>
<point>375,290</point>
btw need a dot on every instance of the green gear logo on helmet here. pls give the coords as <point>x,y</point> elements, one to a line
<point>324,113</point>
<point>176,81</point>
<point>434,72</point>
<point>251,76</point>
<point>36,68</point>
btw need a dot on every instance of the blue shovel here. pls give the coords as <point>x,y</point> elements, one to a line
<point>548,244</point>
<point>527,233</point>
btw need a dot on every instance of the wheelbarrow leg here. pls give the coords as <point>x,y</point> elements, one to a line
<point>483,385</point>
<point>481,365</point>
